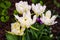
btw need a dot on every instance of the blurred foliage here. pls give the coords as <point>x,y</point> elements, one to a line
<point>44,33</point>
<point>35,1</point>
<point>38,1</point>
<point>11,37</point>
<point>15,12</point>
<point>57,3</point>
<point>4,5</point>
<point>58,36</point>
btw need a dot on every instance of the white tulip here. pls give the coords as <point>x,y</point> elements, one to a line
<point>26,20</point>
<point>47,19</point>
<point>22,7</point>
<point>15,29</point>
<point>38,9</point>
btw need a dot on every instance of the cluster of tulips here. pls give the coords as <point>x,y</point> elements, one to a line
<point>27,20</point>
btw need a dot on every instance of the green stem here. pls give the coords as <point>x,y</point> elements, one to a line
<point>34,28</point>
<point>23,37</point>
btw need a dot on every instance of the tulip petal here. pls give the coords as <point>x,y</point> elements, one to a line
<point>34,19</point>
<point>48,14</point>
<point>54,17</point>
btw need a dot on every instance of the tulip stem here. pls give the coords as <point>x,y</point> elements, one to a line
<point>34,28</point>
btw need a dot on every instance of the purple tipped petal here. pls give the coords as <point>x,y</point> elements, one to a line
<point>39,21</point>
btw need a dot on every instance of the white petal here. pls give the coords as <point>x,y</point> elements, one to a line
<point>21,33</point>
<point>54,17</point>
<point>44,7</point>
<point>23,29</point>
<point>34,19</point>
<point>20,19</point>
<point>22,7</point>
<point>54,22</point>
<point>38,9</point>
<point>28,25</point>
<point>33,7</point>
<point>48,14</point>
<point>43,16</point>
<point>16,16</point>
<point>28,14</point>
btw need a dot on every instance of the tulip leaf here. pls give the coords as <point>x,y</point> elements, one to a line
<point>11,37</point>
<point>34,28</point>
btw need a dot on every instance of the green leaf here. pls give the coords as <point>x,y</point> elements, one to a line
<point>11,37</point>
<point>41,27</point>
<point>34,28</point>
<point>7,18</point>
<point>23,37</point>
<point>20,38</point>
<point>5,4</point>
<point>41,2</point>
<point>2,5</point>
<point>2,19</point>
<point>4,12</point>
<point>56,3</point>
<point>41,34</point>
<point>15,12</point>
<point>36,35</point>
<point>27,35</point>
<point>8,4</point>
<point>27,38</point>
<point>35,1</point>
<point>32,34</point>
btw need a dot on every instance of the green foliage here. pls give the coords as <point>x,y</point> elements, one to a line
<point>8,4</point>
<point>35,1</point>
<point>4,12</point>
<point>4,5</point>
<point>41,2</point>
<point>26,36</point>
<point>43,33</point>
<point>11,37</point>
<point>15,12</point>
<point>38,1</point>
<point>56,3</point>
<point>4,19</point>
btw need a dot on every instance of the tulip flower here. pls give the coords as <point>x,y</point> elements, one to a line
<point>22,7</point>
<point>38,9</point>
<point>47,19</point>
<point>17,29</point>
<point>26,20</point>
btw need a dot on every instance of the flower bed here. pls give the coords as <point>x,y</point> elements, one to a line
<point>35,21</point>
